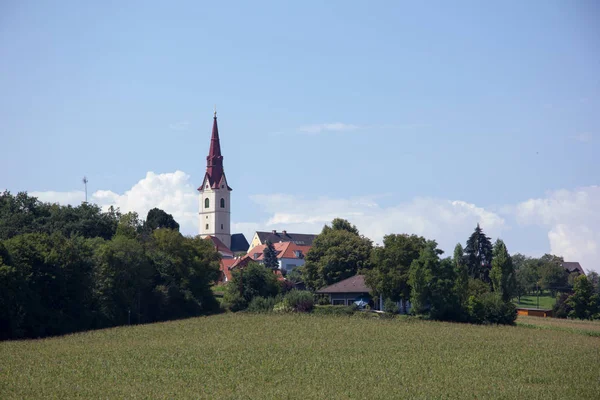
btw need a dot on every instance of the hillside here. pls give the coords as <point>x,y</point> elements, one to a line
<point>303,356</point>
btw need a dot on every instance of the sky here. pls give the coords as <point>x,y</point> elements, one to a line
<point>402,117</point>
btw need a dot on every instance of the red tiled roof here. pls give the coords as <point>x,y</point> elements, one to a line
<point>283,249</point>
<point>224,266</point>
<point>220,246</point>
<point>354,284</point>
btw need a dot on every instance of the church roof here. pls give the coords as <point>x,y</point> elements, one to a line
<point>214,160</point>
<point>239,243</point>
<point>220,246</point>
<point>303,239</point>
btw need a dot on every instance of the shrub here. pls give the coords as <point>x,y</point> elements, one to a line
<point>322,299</point>
<point>282,307</point>
<point>299,300</point>
<point>233,301</point>
<point>489,308</point>
<point>333,310</point>
<point>561,309</point>
<point>262,304</point>
<point>390,306</point>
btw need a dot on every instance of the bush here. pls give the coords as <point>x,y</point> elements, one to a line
<point>390,306</point>
<point>322,299</point>
<point>489,308</point>
<point>561,309</point>
<point>333,310</point>
<point>262,304</point>
<point>299,300</point>
<point>234,302</point>
<point>282,307</point>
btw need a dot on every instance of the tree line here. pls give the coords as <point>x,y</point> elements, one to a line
<point>65,269</point>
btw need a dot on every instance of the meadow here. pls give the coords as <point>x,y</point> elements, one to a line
<point>306,356</point>
<point>546,301</point>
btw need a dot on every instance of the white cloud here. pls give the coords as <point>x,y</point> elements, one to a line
<point>448,222</point>
<point>573,222</point>
<point>171,192</point>
<point>333,127</point>
<point>584,137</point>
<point>180,126</point>
<point>74,197</point>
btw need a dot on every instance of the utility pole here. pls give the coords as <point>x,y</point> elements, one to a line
<point>85,181</point>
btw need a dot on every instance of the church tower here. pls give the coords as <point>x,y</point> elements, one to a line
<point>214,198</point>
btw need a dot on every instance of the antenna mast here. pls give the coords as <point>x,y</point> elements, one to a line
<point>85,181</point>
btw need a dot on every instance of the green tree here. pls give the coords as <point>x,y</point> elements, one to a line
<point>502,273</point>
<point>478,254</point>
<point>254,280</point>
<point>270,256</point>
<point>553,277</point>
<point>129,225</point>
<point>123,280</point>
<point>184,269</point>
<point>432,284</point>
<point>158,218</point>
<point>336,254</point>
<point>391,264</point>
<point>584,302</point>
<point>461,286</point>
<point>339,224</point>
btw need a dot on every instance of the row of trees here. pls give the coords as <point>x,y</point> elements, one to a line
<point>66,269</point>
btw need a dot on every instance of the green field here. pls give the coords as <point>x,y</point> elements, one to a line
<point>308,357</point>
<point>546,301</point>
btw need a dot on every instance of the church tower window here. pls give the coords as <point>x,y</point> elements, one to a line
<point>222,203</point>
<point>206,203</point>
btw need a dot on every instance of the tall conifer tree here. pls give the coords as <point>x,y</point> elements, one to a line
<point>270,256</point>
<point>478,255</point>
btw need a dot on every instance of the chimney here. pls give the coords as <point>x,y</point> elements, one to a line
<point>284,233</point>
<point>273,231</point>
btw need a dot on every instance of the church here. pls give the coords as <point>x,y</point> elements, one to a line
<point>215,222</point>
<point>215,203</point>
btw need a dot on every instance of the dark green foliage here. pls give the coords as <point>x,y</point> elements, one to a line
<point>391,265</point>
<point>262,304</point>
<point>234,301</point>
<point>295,275</point>
<point>561,308</point>
<point>82,269</point>
<point>251,281</point>
<point>553,277</point>
<point>157,218</point>
<point>337,253</point>
<point>489,308</point>
<point>478,255</point>
<point>461,285</point>
<point>339,224</point>
<point>270,256</point>
<point>322,299</point>
<point>584,303</point>
<point>390,306</point>
<point>477,287</point>
<point>299,300</point>
<point>502,273</point>
<point>333,310</point>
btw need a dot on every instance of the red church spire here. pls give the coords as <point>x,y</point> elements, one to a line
<point>214,160</point>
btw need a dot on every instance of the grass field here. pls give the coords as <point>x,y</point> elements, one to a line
<point>546,301</point>
<point>305,356</point>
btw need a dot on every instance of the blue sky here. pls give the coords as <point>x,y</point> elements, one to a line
<point>381,111</point>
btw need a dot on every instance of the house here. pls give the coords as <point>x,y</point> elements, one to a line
<point>301,239</point>
<point>571,267</point>
<point>346,292</point>
<point>349,290</point>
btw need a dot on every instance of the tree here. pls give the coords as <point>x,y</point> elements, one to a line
<point>502,273</point>
<point>336,254</point>
<point>254,280</point>
<point>594,279</point>
<point>432,281</point>
<point>461,286</point>
<point>270,256</point>
<point>129,225</point>
<point>391,264</point>
<point>583,302</point>
<point>478,253</point>
<point>339,224</point>
<point>553,277</point>
<point>158,218</point>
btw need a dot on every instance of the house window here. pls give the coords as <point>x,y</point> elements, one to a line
<point>206,203</point>
<point>206,226</point>
<point>222,203</point>
<point>298,253</point>
<point>350,301</point>
<point>338,302</point>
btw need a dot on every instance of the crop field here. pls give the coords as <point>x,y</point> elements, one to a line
<point>305,356</point>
